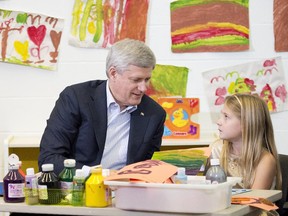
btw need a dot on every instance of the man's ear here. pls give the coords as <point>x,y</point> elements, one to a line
<point>112,72</point>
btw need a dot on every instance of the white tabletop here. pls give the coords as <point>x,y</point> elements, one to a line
<point>233,210</point>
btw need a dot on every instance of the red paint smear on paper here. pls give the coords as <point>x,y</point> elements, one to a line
<point>134,20</point>
<point>211,32</point>
<point>108,15</point>
<point>268,63</point>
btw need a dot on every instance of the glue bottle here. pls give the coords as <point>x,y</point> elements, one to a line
<point>106,173</point>
<point>181,177</point>
<point>78,188</point>
<point>95,189</point>
<point>31,187</point>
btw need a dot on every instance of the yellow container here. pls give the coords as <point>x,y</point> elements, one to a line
<point>95,189</point>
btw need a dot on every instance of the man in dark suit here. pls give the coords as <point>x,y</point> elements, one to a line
<point>110,122</point>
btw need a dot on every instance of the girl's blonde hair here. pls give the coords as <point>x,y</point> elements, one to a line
<point>257,135</point>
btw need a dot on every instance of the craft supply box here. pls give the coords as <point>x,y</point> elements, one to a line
<point>194,197</point>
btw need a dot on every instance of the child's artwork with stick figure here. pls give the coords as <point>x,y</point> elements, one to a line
<point>30,39</point>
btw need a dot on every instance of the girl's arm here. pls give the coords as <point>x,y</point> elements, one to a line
<point>265,172</point>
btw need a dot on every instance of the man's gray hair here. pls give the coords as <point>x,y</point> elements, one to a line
<point>129,52</point>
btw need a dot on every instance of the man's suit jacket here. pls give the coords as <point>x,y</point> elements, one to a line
<point>78,123</point>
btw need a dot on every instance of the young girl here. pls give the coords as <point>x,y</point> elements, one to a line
<point>246,147</point>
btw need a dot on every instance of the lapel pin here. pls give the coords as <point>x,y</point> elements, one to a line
<point>142,114</point>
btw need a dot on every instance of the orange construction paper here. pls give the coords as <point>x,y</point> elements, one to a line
<point>255,202</point>
<point>152,171</point>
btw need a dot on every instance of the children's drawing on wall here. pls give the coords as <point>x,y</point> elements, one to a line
<point>209,26</point>
<point>193,159</point>
<point>265,78</point>
<point>30,39</point>
<point>167,81</point>
<point>281,25</point>
<point>101,23</point>
<point>178,123</point>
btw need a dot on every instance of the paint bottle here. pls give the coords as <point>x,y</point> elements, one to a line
<point>181,177</point>
<point>66,177</point>
<point>106,173</point>
<point>78,188</point>
<point>215,174</point>
<point>31,187</point>
<point>14,184</point>
<point>95,189</point>
<point>20,169</point>
<point>49,186</point>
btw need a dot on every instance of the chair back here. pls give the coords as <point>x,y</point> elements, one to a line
<point>283,202</point>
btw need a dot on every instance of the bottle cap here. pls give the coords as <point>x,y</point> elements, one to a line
<point>47,167</point>
<point>13,159</point>
<point>86,170</point>
<point>105,172</point>
<point>96,169</point>
<point>181,171</point>
<point>69,163</point>
<point>30,172</point>
<point>214,161</point>
<point>79,173</point>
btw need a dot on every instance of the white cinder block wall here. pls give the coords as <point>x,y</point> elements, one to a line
<point>27,95</point>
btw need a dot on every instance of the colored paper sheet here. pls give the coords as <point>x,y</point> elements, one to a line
<point>209,25</point>
<point>167,81</point>
<point>193,159</point>
<point>30,39</point>
<point>257,202</point>
<point>153,171</point>
<point>264,77</point>
<point>178,123</point>
<point>281,25</point>
<point>101,23</point>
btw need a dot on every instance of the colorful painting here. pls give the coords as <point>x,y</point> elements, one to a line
<point>30,39</point>
<point>281,25</point>
<point>101,23</point>
<point>193,159</point>
<point>167,81</point>
<point>265,78</point>
<point>209,25</point>
<point>178,123</point>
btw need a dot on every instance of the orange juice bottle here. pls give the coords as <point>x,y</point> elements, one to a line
<point>95,189</point>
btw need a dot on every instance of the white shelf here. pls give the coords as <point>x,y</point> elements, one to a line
<point>205,139</point>
<point>33,141</point>
<point>12,141</point>
<point>23,141</point>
